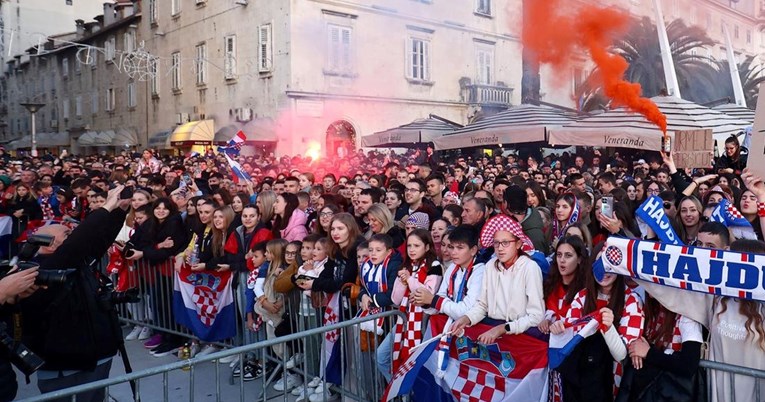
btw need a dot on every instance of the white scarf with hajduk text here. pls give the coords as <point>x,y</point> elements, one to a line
<point>717,272</point>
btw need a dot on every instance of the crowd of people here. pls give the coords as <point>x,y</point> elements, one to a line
<point>426,234</point>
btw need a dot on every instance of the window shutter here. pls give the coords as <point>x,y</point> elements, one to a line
<point>426,60</point>
<point>409,52</point>
<point>264,39</point>
<point>346,47</point>
<point>333,45</point>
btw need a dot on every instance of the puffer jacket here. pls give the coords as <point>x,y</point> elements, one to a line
<point>296,229</point>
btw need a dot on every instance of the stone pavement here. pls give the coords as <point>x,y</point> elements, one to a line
<point>179,388</point>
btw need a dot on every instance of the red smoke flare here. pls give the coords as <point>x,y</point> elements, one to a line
<point>557,38</point>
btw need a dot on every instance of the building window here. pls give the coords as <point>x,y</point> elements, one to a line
<point>748,36</point>
<point>68,2</point>
<point>110,48</point>
<point>176,71</point>
<point>735,32</point>
<point>229,60</point>
<point>709,21</point>
<point>65,109</point>
<point>265,62</point>
<point>418,59</point>
<point>110,100</point>
<point>175,7</point>
<point>78,106</point>
<point>131,97</point>
<point>65,67</point>
<point>154,78</point>
<point>77,66</point>
<point>483,7</point>
<point>94,102</point>
<point>153,12</point>
<point>129,41</point>
<point>200,64</point>
<point>340,50</point>
<point>577,77</point>
<point>485,64</point>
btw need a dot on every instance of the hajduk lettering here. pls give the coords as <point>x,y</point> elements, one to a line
<point>719,272</point>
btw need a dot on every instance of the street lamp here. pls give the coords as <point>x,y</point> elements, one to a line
<point>33,108</point>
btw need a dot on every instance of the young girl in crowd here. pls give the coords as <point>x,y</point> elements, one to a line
<point>437,231</point>
<point>592,372</point>
<point>421,270</point>
<point>566,214</point>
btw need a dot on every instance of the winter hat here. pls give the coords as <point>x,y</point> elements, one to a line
<point>515,197</point>
<point>452,195</point>
<point>6,180</point>
<point>420,220</point>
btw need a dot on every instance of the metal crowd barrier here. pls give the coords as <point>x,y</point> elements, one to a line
<point>191,366</point>
<point>734,374</point>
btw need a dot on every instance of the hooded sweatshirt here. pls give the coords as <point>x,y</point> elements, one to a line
<point>532,226</point>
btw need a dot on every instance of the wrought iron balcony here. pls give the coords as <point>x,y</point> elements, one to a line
<point>489,95</point>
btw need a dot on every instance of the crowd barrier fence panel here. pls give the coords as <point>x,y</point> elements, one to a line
<point>191,366</point>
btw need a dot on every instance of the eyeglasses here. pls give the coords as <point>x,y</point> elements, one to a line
<point>326,214</point>
<point>413,190</point>
<point>504,243</point>
<point>654,192</point>
<point>290,253</point>
<point>667,205</point>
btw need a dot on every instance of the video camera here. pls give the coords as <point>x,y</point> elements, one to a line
<point>21,357</point>
<point>46,277</point>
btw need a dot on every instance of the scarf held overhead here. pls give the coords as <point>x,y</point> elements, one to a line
<point>718,272</point>
<point>651,214</point>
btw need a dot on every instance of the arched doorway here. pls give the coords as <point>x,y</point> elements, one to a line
<point>341,138</point>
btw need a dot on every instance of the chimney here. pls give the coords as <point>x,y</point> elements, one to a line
<point>109,14</point>
<point>80,28</point>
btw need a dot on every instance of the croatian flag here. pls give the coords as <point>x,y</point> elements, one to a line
<point>238,174</point>
<point>234,145</point>
<point>562,345</point>
<point>514,368</point>
<point>727,214</point>
<point>203,302</point>
<point>332,369</point>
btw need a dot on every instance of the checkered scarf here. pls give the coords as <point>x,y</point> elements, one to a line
<point>409,334</point>
<point>47,209</point>
<point>630,324</point>
<point>572,219</point>
<point>675,343</point>
<point>455,293</point>
<point>504,223</point>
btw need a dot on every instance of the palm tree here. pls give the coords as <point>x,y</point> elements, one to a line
<point>751,77</point>
<point>640,47</point>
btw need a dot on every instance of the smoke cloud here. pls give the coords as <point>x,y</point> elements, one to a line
<point>555,34</point>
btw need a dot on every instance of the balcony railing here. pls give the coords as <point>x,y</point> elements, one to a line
<point>489,95</point>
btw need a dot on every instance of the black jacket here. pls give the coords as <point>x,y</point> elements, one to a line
<point>338,271</point>
<point>64,324</point>
<point>147,236</point>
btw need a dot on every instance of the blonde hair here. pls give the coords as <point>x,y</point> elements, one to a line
<point>382,214</point>
<point>267,201</point>
<point>276,247</point>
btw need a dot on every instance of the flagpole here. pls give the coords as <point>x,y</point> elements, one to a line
<point>670,76</point>
<point>738,89</point>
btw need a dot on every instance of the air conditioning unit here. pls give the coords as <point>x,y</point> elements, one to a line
<point>243,114</point>
<point>182,118</point>
<point>54,123</point>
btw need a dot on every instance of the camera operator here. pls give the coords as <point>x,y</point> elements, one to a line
<point>67,325</point>
<point>12,286</point>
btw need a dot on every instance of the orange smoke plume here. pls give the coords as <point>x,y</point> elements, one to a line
<point>555,38</point>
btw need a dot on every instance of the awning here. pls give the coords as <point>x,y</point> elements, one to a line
<point>125,137</point>
<point>225,134</point>
<point>521,124</point>
<point>88,138</point>
<point>260,130</point>
<point>200,132</point>
<point>21,143</point>
<point>160,140</point>
<point>734,110</point>
<point>49,140</point>
<point>622,128</point>
<point>417,132</point>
